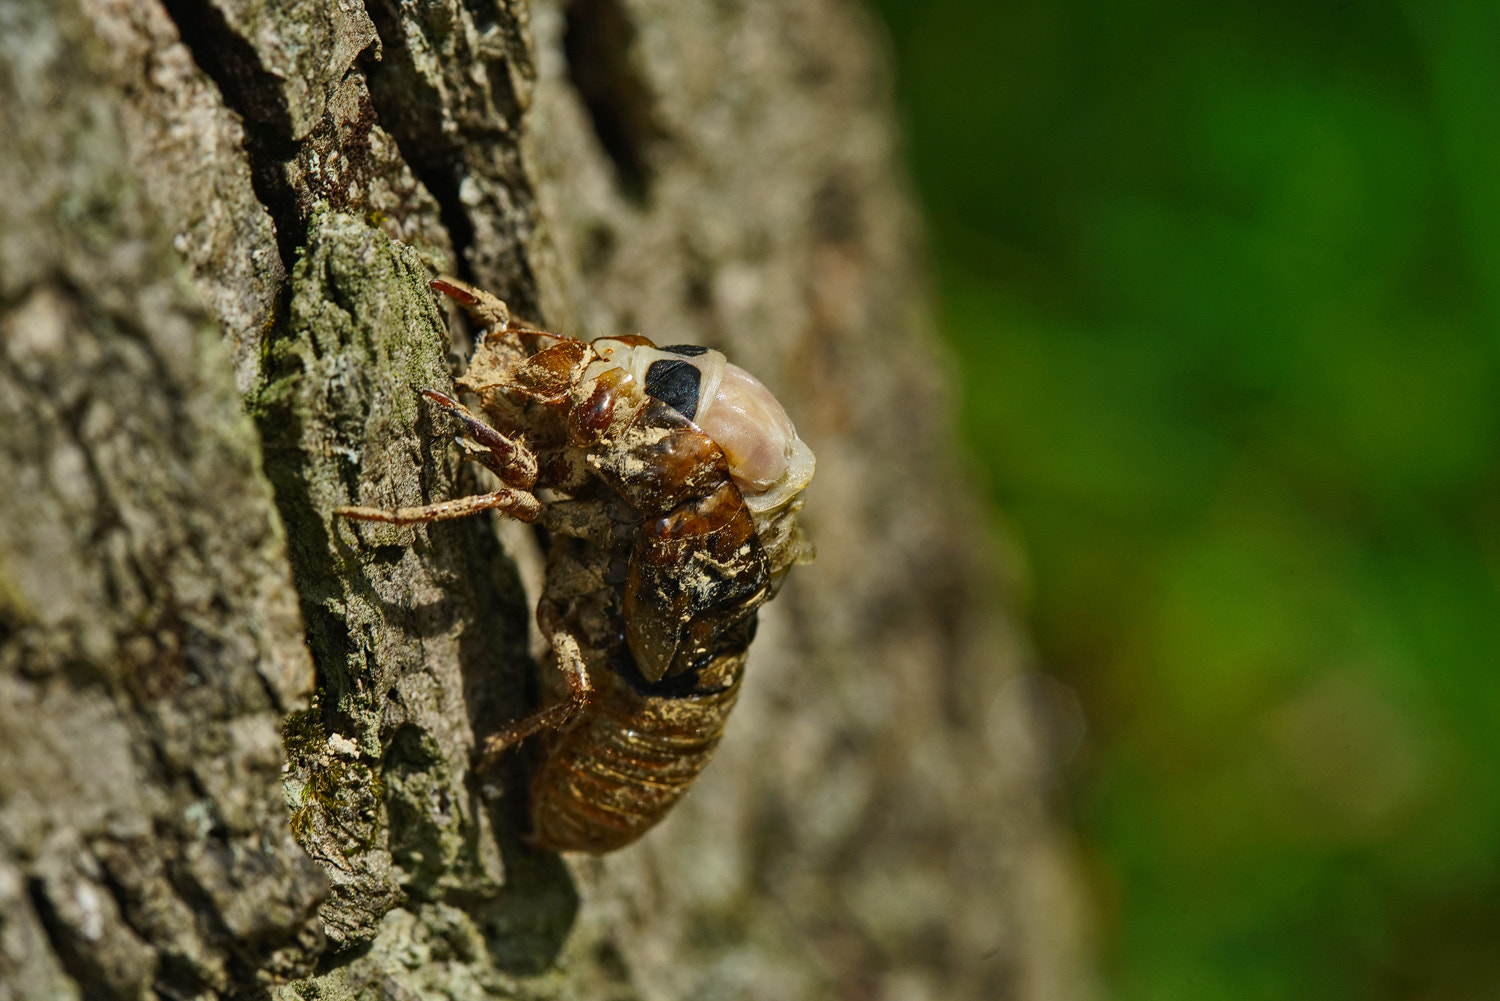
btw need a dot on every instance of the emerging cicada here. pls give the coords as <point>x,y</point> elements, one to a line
<point>669,482</point>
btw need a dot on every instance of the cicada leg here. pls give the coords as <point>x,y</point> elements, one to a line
<point>509,460</point>
<point>570,662</point>
<point>516,504</point>
<point>485,308</point>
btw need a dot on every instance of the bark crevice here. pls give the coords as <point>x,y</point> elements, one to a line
<point>598,42</point>
<point>254,93</point>
<point>411,109</point>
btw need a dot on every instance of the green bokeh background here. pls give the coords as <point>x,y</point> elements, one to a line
<point>1225,283</point>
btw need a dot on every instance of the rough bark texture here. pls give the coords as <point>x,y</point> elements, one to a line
<point>216,224</point>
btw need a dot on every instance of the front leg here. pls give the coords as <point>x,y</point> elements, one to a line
<point>483,306</point>
<point>510,460</point>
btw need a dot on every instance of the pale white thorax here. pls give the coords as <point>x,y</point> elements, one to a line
<point>768,462</point>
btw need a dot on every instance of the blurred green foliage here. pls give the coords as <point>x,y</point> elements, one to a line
<point>1225,283</point>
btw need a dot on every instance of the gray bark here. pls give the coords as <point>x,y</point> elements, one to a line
<point>235,733</point>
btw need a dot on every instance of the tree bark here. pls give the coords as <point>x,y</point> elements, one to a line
<point>236,733</point>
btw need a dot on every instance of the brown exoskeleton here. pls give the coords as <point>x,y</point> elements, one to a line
<point>669,483</point>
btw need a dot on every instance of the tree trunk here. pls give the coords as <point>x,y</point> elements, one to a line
<point>236,733</point>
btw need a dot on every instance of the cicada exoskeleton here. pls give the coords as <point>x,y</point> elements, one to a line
<point>668,481</point>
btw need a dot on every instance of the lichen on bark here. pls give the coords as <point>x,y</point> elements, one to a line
<point>404,622</point>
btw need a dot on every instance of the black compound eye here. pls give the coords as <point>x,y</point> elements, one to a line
<point>675,383</point>
<point>686,350</point>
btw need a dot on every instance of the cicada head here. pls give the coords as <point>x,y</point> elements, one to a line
<point>768,462</point>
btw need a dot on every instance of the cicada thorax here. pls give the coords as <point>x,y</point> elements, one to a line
<point>696,568</point>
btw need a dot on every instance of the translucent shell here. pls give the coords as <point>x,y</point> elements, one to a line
<point>745,420</point>
<point>767,460</point>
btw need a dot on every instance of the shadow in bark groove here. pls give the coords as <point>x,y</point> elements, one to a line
<point>597,43</point>
<point>412,112</point>
<point>255,94</point>
<point>92,980</point>
<point>527,925</point>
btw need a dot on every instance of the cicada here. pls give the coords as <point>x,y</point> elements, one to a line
<point>668,483</point>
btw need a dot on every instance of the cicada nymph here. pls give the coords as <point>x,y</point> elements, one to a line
<point>668,481</point>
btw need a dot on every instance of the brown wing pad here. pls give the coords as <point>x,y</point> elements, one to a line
<point>612,403</point>
<point>548,375</point>
<point>634,340</point>
<point>693,574</point>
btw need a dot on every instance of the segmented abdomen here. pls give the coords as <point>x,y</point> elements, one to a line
<point>626,761</point>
